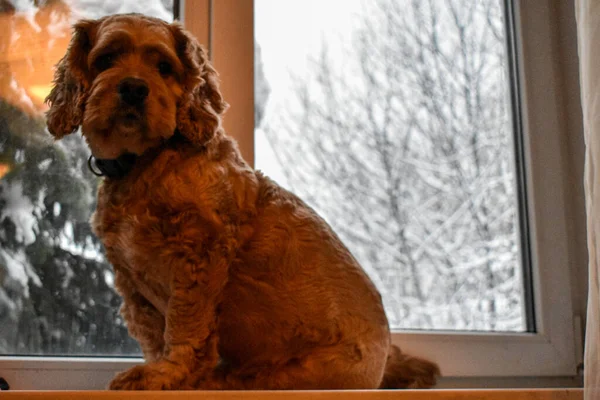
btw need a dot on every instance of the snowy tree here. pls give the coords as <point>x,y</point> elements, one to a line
<point>402,140</point>
<point>56,288</point>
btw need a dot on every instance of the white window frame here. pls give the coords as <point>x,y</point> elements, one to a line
<point>553,351</point>
<point>547,358</point>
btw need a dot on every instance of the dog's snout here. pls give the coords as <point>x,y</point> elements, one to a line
<point>133,90</point>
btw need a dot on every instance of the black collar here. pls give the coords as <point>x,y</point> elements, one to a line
<point>113,169</point>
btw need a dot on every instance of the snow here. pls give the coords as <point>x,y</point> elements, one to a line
<point>23,97</point>
<point>59,27</point>
<point>68,274</point>
<point>19,269</point>
<point>20,210</point>
<point>16,269</point>
<point>97,9</point>
<point>56,209</point>
<point>43,165</point>
<point>109,278</point>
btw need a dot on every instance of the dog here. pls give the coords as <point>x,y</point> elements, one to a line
<point>228,280</point>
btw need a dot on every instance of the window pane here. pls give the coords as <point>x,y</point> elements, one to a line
<point>56,287</point>
<point>393,120</point>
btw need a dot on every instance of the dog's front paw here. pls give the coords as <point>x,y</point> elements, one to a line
<point>154,376</point>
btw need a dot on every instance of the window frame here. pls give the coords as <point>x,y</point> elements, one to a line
<point>547,358</point>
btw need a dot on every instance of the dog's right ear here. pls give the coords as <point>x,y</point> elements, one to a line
<point>71,82</point>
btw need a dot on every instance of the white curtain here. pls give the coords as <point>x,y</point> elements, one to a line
<point>588,35</point>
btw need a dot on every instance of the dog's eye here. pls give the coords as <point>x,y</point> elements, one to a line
<point>164,68</point>
<point>104,62</point>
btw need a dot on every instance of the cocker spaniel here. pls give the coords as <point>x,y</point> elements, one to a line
<point>228,281</point>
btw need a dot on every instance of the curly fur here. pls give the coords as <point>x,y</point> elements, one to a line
<point>228,281</point>
<point>199,112</point>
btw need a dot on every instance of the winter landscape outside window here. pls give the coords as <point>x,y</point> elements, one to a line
<point>394,120</point>
<point>56,287</point>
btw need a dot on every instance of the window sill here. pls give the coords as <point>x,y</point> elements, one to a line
<point>504,394</point>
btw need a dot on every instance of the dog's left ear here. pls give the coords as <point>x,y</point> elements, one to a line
<point>71,82</point>
<point>202,105</point>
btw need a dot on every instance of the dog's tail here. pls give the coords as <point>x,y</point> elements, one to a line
<point>407,372</point>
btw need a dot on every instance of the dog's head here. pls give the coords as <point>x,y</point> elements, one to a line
<point>130,81</point>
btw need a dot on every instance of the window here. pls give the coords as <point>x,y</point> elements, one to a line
<point>505,309</point>
<point>402,111</point>
<point>56,294</point>
<point>540,333</point>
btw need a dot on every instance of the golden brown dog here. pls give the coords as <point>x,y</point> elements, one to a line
<point>228,281</point>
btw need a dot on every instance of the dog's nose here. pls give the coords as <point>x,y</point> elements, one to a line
<point>133,90</point>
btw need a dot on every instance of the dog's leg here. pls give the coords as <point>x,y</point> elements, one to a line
<point>144,322</point>
<point>190,333</point>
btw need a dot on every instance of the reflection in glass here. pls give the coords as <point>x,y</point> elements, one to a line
<point>56,288</point>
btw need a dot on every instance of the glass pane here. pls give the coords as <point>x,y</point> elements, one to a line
<point>393,120</point>
<point>56,288</point>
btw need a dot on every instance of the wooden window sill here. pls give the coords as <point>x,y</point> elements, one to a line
<point>448,394</point>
